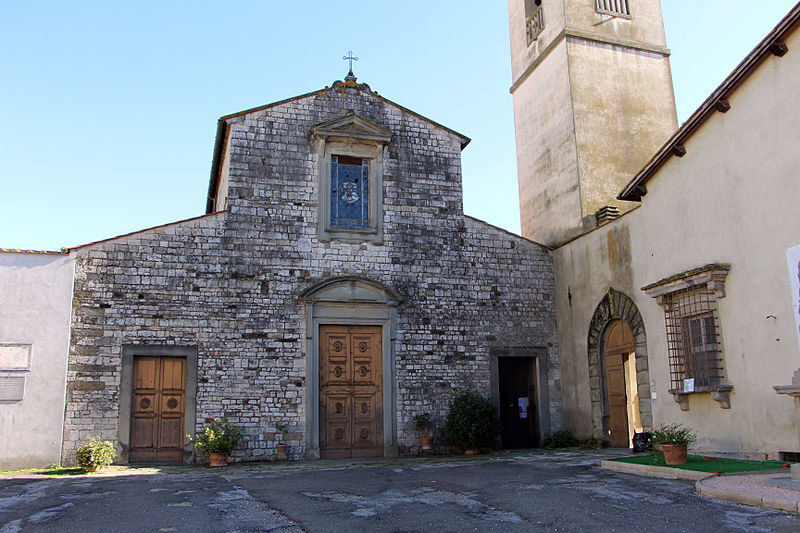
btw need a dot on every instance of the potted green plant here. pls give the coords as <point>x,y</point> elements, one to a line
<point>281,428</point>
<point>218,440</point>
<point>471,421</point>
<point>674,440</point>
<point>423,421</point>
<point>95,454</point>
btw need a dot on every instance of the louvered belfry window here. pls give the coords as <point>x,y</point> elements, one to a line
<point>534,19</point>
<point>693,338</point>
<point>616,8</point>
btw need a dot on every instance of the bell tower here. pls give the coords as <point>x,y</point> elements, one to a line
<point>593,102</point>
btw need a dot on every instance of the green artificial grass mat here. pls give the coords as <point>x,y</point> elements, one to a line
<point>700,464</point>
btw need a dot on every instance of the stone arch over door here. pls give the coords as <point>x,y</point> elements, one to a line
<point>616,305</point>
<point>350,301</point>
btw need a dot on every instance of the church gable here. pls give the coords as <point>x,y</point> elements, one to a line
<point>353,111</point>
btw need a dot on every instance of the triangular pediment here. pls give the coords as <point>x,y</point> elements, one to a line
<point>352,126</point>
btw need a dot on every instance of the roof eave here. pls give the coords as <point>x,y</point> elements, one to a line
<point>636,188</point>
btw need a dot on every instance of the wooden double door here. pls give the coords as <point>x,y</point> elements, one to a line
<point>351,391</point>
<point>157,409</point>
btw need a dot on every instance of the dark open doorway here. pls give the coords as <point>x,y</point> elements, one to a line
<point>518,407</point>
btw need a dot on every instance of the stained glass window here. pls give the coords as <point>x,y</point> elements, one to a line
<point>349,191</point>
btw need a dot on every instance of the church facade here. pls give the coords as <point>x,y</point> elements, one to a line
<point>334,286</point>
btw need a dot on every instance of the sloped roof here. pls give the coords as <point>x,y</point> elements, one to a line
<point>717,102</point>
<point>168,224</point>
<point>224,121</point>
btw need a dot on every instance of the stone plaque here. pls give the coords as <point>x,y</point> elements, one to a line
<point>12,389</point>
<point>15,356</point>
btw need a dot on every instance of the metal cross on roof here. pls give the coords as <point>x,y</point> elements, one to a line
<point>351,59</point>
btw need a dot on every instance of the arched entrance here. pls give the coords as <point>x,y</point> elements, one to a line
<point>617,329</point>
<point>622,394</point>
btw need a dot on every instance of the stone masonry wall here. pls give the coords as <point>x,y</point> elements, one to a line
<point>229,283</point>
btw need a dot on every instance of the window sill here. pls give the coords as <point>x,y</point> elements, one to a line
<point>352,234</point>
<point>719,393</point>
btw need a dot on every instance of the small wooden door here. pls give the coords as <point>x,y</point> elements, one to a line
<point>518,409</point>
<point>351,391</point>
<point>618,346</point>
<point>157,409</point>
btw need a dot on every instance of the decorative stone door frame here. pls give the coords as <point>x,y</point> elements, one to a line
<point>129,351</point>
<point>616,305</point>
<point>359,301</point>
<point>540,357</point>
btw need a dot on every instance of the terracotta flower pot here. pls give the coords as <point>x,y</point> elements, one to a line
<point>426,442</point>
<point>281,448</point>
<point>674,455</point>
<point>218,459</point>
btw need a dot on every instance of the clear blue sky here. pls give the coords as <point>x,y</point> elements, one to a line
<point>109,109</point>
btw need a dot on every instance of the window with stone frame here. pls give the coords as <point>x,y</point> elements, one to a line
<point>349,192</point>
<point>534,19</point>
<point>350,152</point>
<point>615,8</point>
<point>693,331</point>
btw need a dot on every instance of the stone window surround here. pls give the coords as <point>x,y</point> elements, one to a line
<point>351,300</point>
<point>129,351</point>
<point>712,276</point>
<point>354,136</point>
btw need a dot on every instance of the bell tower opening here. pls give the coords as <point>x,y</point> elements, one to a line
<point>593,101</point>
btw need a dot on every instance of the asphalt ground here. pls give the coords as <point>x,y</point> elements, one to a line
<point>517,491</point>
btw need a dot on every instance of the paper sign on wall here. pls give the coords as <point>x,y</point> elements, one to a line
<point>793,259</point>
<point>523,407</point>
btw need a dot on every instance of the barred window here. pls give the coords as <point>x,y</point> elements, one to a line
<point>693,338</point>
<point>534,19</point>
<point>615,8</point>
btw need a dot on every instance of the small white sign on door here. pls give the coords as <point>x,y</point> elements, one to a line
<point>523,407</point>
<point>793,260</point>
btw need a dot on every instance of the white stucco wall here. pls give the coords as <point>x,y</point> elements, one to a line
<point>35,304</point>
<point>733,198</point>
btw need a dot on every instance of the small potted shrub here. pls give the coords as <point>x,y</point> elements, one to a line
<point>423,421</point>
<point>674,440</point>
<point>281,428</point>
<point>471,421</point>
<point>95,454</point>
<point>218,440</point>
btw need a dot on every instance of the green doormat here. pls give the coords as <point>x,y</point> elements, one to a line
<point>700,464</point>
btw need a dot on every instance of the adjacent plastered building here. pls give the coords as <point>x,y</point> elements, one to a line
<point>680,310</point>
<point>36,289</point>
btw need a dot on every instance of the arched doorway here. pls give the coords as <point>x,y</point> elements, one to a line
<point>622,394</point>
<point>618,307</point>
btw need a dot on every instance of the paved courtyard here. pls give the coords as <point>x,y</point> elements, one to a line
<point>525,491</point>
